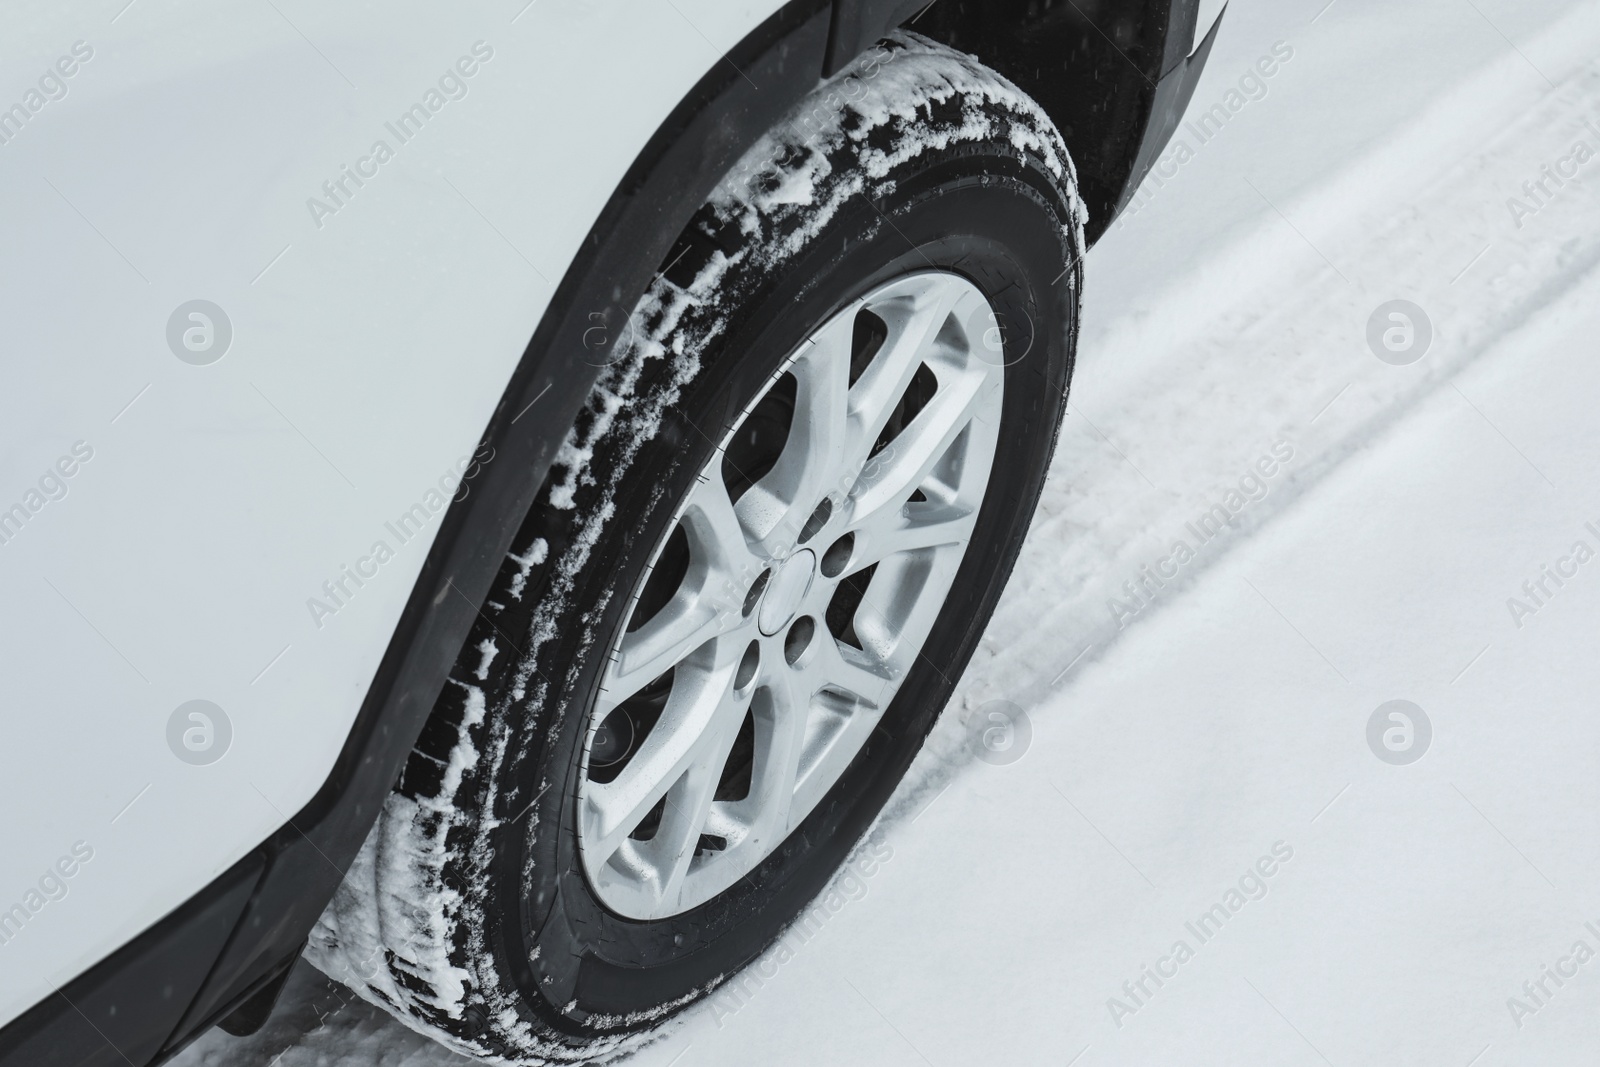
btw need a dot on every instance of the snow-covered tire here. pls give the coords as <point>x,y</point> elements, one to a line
<point>468,913</point>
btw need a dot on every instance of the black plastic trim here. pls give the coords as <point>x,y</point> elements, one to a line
<point>1172,96</point>
<point>122,1010</point>
<point>253,1014</point>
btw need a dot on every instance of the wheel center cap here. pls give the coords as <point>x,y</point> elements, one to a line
<point>788,587</point>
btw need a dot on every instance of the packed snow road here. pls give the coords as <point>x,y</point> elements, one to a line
<point>1203,832</point>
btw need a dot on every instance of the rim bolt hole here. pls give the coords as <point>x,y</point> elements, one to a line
<point>798,639</point>
<point>753,597</point>
<point>612,741</point>
<point>817,521</point>
<point>747,666</point>
<point>838,555</point>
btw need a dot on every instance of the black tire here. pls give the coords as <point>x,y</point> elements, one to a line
<point>468,914</point>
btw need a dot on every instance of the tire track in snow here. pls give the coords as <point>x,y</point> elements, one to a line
<point>1157,441</point>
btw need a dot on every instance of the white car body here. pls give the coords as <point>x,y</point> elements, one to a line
<point>186,526</point>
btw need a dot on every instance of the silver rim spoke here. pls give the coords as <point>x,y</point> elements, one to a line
<point>776,506</point>
<point>706,606</point>
<point>891,476</point>
<point>693,727</point>
<point>750,704</point>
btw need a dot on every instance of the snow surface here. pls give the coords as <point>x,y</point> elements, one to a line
<point>1185,737</point>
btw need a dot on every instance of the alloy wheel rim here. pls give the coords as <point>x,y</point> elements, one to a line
<point>792,595</point>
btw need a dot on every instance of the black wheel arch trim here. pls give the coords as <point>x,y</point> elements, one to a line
<point>233,939</point>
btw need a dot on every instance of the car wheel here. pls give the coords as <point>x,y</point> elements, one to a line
<point>766,553</point>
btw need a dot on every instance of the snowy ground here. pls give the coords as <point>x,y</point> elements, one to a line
<point>1183,740</point>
